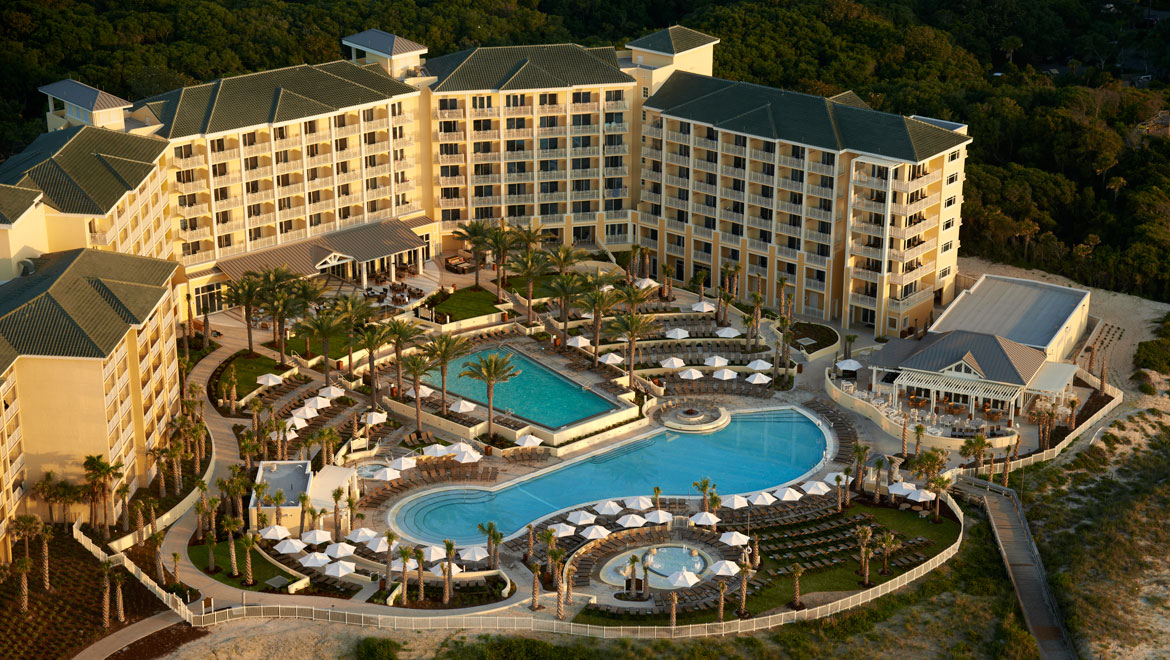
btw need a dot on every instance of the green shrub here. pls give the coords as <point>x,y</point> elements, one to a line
<point>1147,389</point>
<point>376,648</point>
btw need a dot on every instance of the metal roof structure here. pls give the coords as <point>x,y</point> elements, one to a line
<point>1025,311</point>
<point>508,68</point>
<point>82,95</point>
<point>15,201</point>
<point>777,114</point>
<point>361,243</point>
<point>988,357</point>
<point>383,43</point>
<point>79,303</point>
<point>673,40</point>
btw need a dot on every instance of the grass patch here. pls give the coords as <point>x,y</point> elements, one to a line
<point>262,569</point>
<point>296,344</point>
<point>822,334</point>
<point>248,369</point>
<point>467,304</point>
<point>519,286</point>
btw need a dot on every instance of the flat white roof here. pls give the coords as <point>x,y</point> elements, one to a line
<point>1027,312</point>
<point>290,477</point>
<point>327,479</point>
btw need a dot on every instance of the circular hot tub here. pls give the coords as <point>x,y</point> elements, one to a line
<point>368,470</point>
<point>662,560</point>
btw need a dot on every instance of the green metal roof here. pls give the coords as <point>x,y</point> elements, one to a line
<point>82,169</point>
<point>78,303</point>
<point>384,43</point>
<point>270,97</point>
<point>525,67</point>
<point>673,40</point>
<point>14,201</point>
<point>796,117</point>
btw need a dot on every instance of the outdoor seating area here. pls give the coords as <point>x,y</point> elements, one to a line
<point>426,474</point>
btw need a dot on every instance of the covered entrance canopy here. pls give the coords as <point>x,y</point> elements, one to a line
<point>359,245</point>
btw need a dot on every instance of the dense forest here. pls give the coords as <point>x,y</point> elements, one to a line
<point>1058,176</point>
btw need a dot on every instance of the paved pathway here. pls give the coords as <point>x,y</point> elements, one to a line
<point>111,644</point>
<point>1027,571</point>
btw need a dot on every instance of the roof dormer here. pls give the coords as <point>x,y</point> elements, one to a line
<point>81,104</point>
<point>400,57</point>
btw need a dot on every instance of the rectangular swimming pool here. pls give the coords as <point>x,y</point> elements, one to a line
<point>538,394</point>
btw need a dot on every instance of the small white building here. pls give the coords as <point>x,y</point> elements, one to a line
<point>293,478</point>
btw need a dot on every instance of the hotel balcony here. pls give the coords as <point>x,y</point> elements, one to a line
<point>794,163</point>
<point>868,181</point>
<point>346,131</point>
<point>452,202</point>
<point>910,302</point>
<point>924,180</point>
<point>915,207</point>
<point>191,211</point>
<point>189,162</point>
<point>909,254</point>
<point>914,230</point>
<point>575,108</point>
<point>863,300</point>
<point>913,274</point>
<point>225,155</point>
<point>456,113</point>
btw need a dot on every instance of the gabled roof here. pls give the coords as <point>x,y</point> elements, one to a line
<point>14,201</point>
<point>81,94</point>
<point>673,40</point>
<point>849,97</point>
<point>383,43</point>
<point>525,67</point>
<point>778,114</point>
<point>993,358</point>
<point>270,97</point>
<point>78,303</point>
<point>82,169</point>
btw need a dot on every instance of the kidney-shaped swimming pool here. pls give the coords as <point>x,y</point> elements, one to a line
<point>754,451</point>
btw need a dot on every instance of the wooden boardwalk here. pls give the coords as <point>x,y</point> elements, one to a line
<point>1024,567</point>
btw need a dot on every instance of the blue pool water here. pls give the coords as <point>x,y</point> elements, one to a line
<point>538,394</point>
<point>755,451</point>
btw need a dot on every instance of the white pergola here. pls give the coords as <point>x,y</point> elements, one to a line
<point>972,388</point>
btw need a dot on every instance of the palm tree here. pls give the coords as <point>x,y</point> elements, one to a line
<point>45,490</point>
<point>630,327</point>
<point>174,567</point>
<point>598,303</point>
<point>102,476</point>
<point>488,529</point>
<point>475,234</point>
<point>371,338</point>
<point>323,325</point>
<point>722,597</point>
<point>864,534</point>
<point>564,257</point>
<point>442,350</point>
<point>530,265</point>
<point>232,525</point>
<point>797,571</point>
<point>156,540</point>
<point>975,447</point>
<point>405,553</point>
<point>860,454</point>
<point>248,541</point>
<point>849,339</point>
<point>633,297</point>
<point>703,486</point>
<point>919,431</point>
<point>305,502</point>
<point>46,536</point>
<point>354,312</point>
<point>278,497</point>
<point>555,557</point>
<point>888,543</point>
<point>699,281</point>
<point>838,479</point>
<point>491,369</point>
<point>401,333</point>
<point>26,527</point>
<point>501,241</point>
<point>338,493</point>
<point>497,537</point>
<point>878,463</point>
<point>529,237</point>
<point>535,568</point>
<point>657,497</point>
<point>866,555</point>
<point>565,287</point>
<point>418,559</point>
<point>245,292</point>
<point>281,305</point>
<point>390,537</point>
<point>119,609</point>
<point>449,546</point>
<point>106,567</point>
<point>939,485</point>
<point>549,538</point>
<point>416,366</point>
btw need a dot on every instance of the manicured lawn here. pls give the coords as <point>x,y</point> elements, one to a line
<point>468,303</point>
<point>296,343</point>
<point>843,578</point>
<point>248,369</point>
<point>262,569</point>
<point>519,286</point>
<point>823,334</point>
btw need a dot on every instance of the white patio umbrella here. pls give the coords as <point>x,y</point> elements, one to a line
<point>339,569</point>
<point>436,450</point>
<point>404,463</point>
<point>474,553</point>
<point>361,535</point>
<point>690,374</point>
<point>831,479</point>
<point>920,496</point>
<point>677,333</point>
<point>314,560</point>
<point>787,494</point>
<point>733,538</point>
<point>434,553</point>
<point>611,359</point>
<point>579,341</point>
<point>645,283</point>
<point>724,374</point>
<point>466,457</point>
<point>304,412</point>
<point>438,569</point>
<point>849,365</point>
<point>528,440</point>
<point>460,446</point>
<point>330,392</point>
<point>269,380</point>
<point>561,530</point>
<point>724,568</point>
<point>659,517</point>
<point>586,315</point>
<point>386,474</point>
<point>290,546</point>
<point>728,332</point>
<point>609,508</point>
<point>594,532</point>
<point>715,361</point>
<point>462,406</point>
<point>372,418</point>
<point>631,520</point>
<point>902,489</point>
<point>581,517</point>
<point>815,487</point>
<point>639,503</point>
<point>703,307</point>
<point>339,550</point>
<point>299,423</point>
<point>289,434</point>
<point>318,402</point>
<point>705,518</point>
<point>274,533</point>
<point>426,391</point>
<point>316,537</point>
<point>396,565</point>
<point>759,365</point>
<point>682,579</point>
<point>758,379</point>
<point>735,502</point>
<point>380,545</point>
<point>762,498</point>
<point>672,363</point>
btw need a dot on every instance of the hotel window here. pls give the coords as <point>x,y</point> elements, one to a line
<point>582,97</point>
<point>184,151</point>
<point>948,223</point>
<point>481,147</point>
<point>253,210</point>
<point>481,102</point>
<point>948,246</point>
<point>255,234</point>
<point>483,125</point>
<point>396,109</point>
<point>950,202</point>
<point>514,145</point>
<point>484,213</point>
<point>341,144</point>
<point>372,183</point>
<point>252,187</point>
<point>224,241</point>
<point>371,138</point>
<point>452,215</point>
<point>582,120</point>
<point>645,92</point>
<point>207,298</point>
<point>582,207</point>
<point>282,156</point>
<point>549,187</point>
<point>549,166</point>
<point>614,95</point>
<point>249,139</point>
<point>548,209</point>
<point>944,273</point>
<point>221,194</point>
<point>579,164</point>
<point>217,145</point>
<point>368,114</point>
<point>954,155</point>
<point>952,178</point>
<point>187,200</point>
<point>343,214</point>
<point>310,127</point>
<point>548,98</point>
<point>515,101</point>
<point>448,104</point>
<point>281,132</point>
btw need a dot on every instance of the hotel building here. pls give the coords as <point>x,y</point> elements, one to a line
<point>371,162</point>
